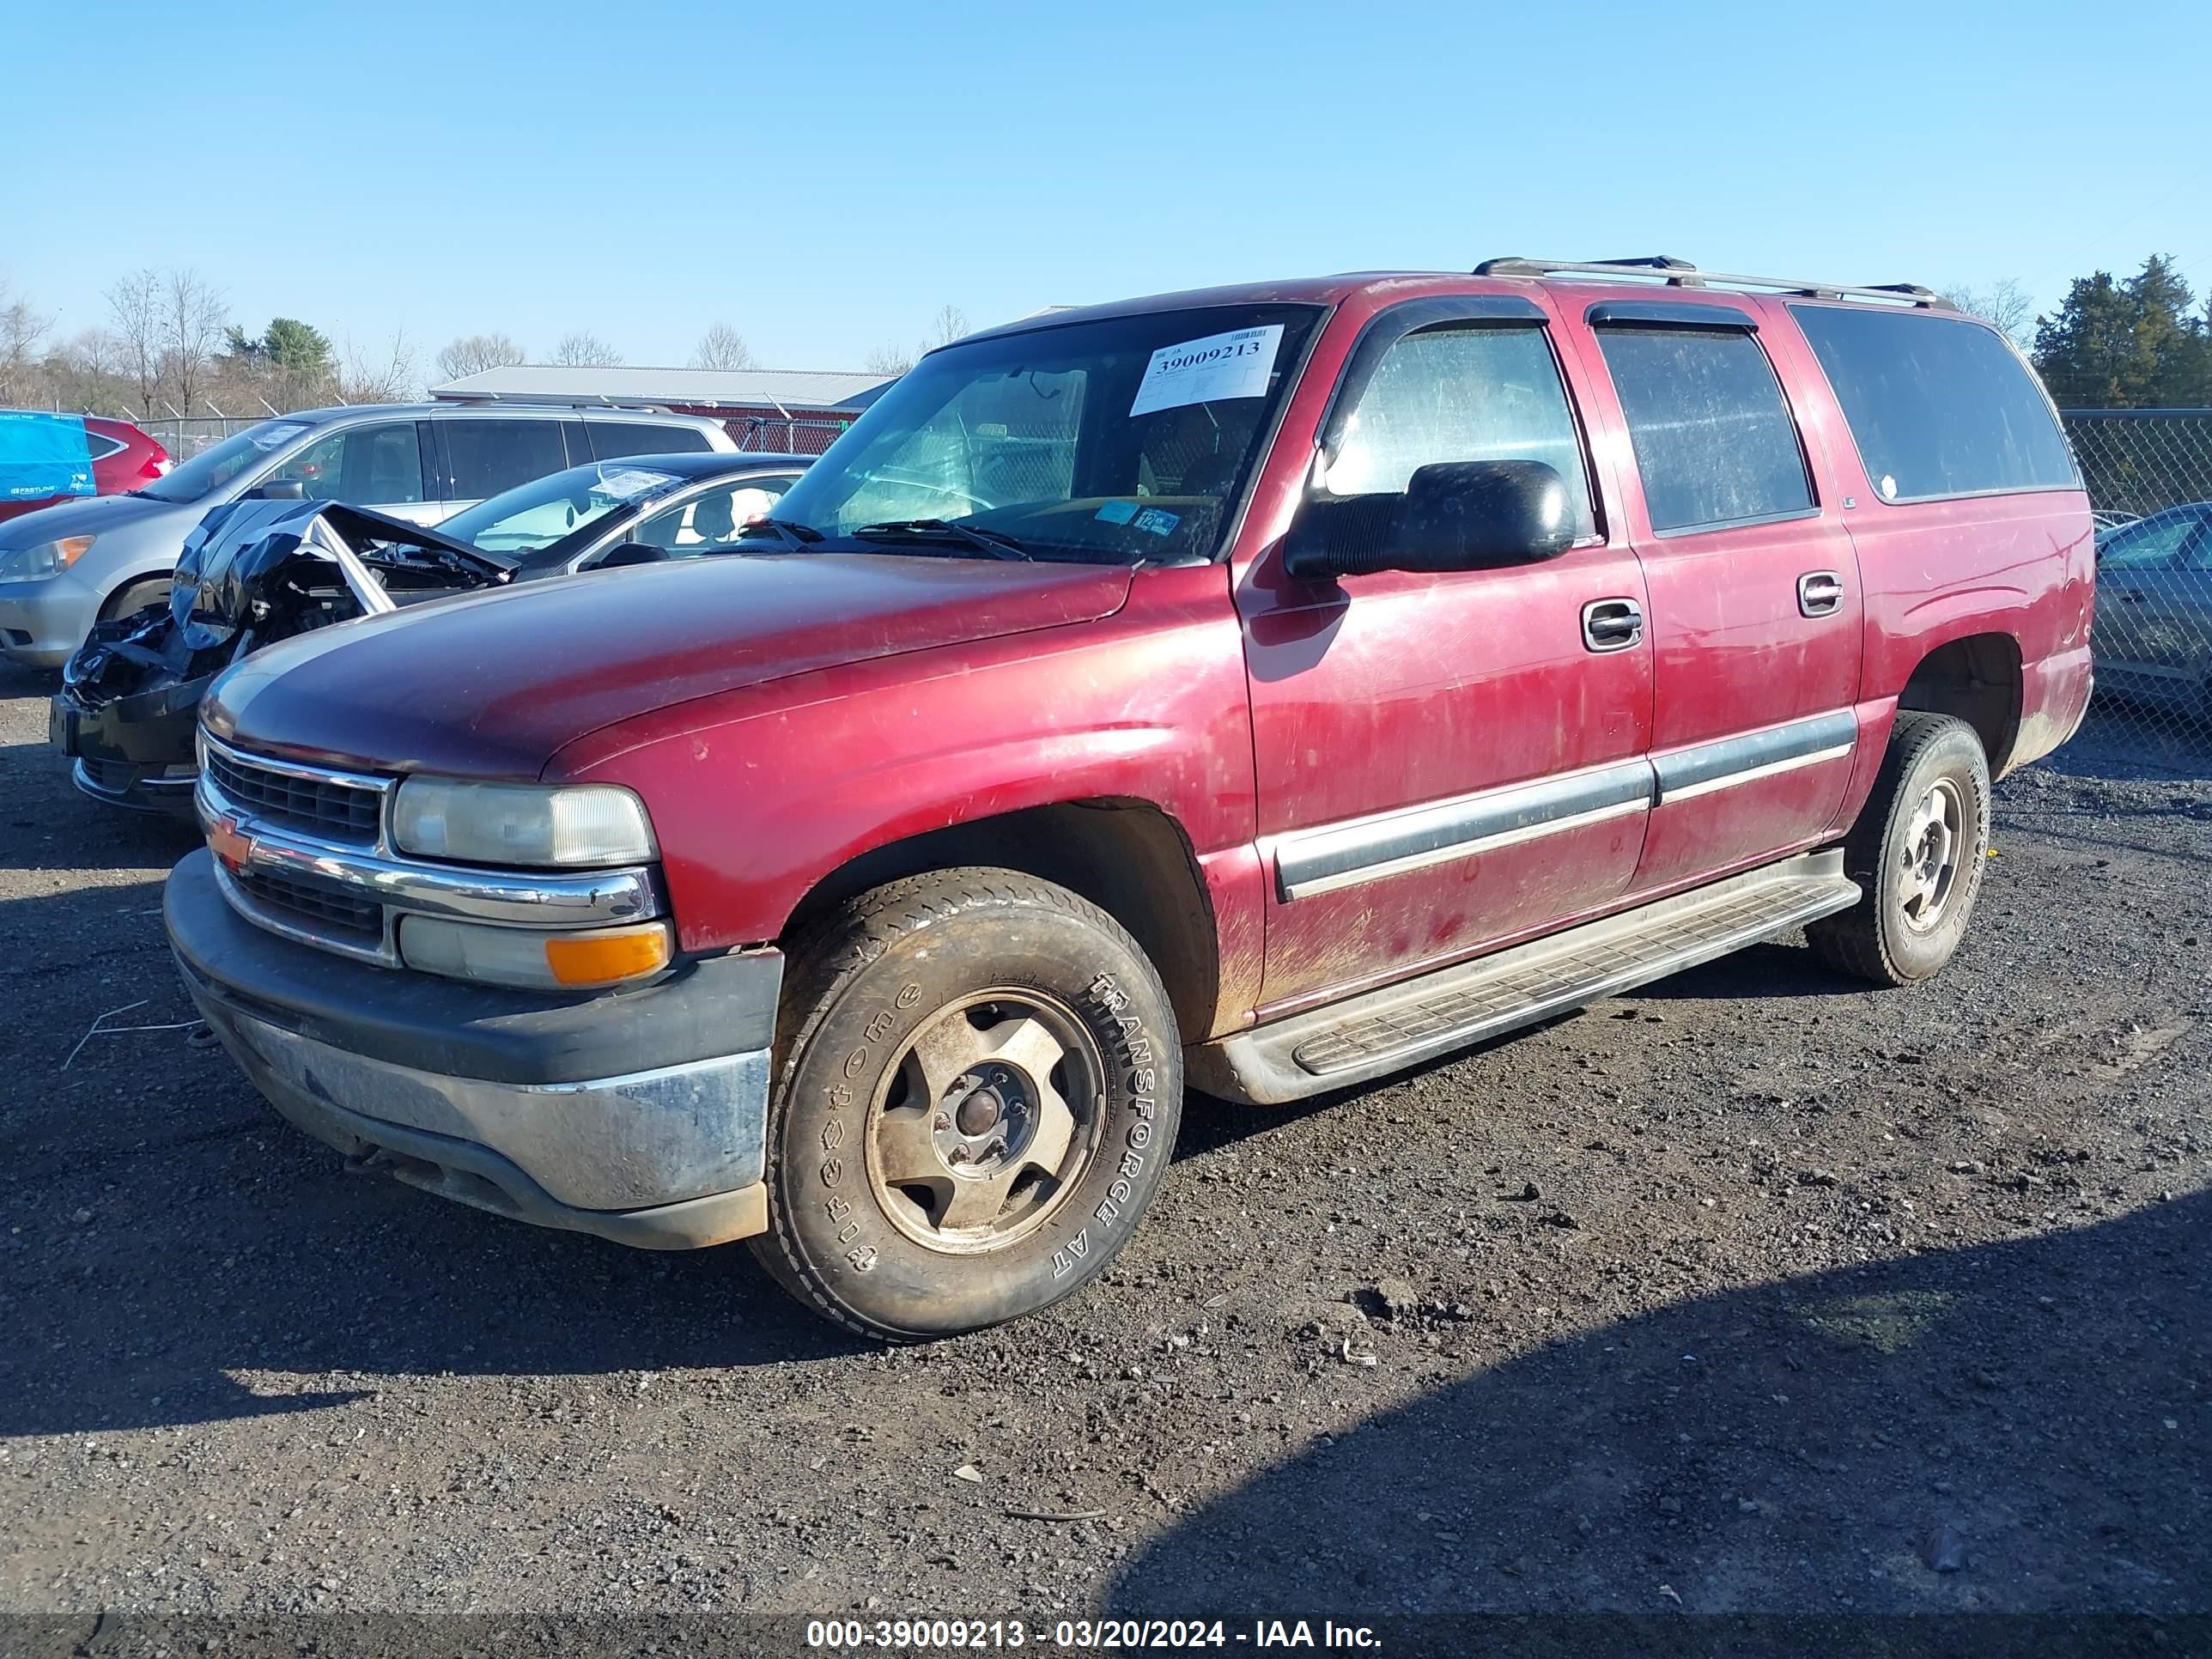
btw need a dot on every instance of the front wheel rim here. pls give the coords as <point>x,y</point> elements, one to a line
<point>1929,853</point>
<point>986,1120</point>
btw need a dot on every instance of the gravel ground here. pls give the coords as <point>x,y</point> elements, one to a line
<point>1751,1291</point>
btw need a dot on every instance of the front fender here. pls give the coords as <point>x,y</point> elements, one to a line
<point>758,794</point>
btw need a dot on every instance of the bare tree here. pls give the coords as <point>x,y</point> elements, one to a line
<point>474,353</point>
<point>583,350</point>
<point>135,303</point>
<point>383,376</point>
<point>722,346</point>
<point>2003,302</point>
<point>951,323</point>
<point>85,368</point>
<point>21,330</point>
<point>889,359</point>
<point>194,322</point>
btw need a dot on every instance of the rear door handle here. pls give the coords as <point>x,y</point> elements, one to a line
<point>1820,593</point>
<point>1612,624</point>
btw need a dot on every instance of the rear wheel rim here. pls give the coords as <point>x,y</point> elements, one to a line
<point>986,1121</point>
<point>1930,852</point>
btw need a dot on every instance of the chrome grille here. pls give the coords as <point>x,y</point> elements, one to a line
<point>327,806</point>
<point>305,902</point>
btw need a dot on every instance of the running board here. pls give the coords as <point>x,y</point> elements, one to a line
<point>1400,1025</point>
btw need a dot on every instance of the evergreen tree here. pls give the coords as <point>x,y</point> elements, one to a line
<point>2131,344</point>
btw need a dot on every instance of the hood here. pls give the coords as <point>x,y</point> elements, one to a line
<point>95,515</point>
<point>493,685</point>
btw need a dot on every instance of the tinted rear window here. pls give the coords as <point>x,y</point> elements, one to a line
<point>489,456</point>
<point>613,439</point>
<point>1714,441</point>
<point>1939,406</point>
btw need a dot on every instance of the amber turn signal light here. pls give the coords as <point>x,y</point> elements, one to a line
<point>605,959</point>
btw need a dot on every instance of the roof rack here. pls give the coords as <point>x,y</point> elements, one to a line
<point>552,400</point>
<point>1680,273</point>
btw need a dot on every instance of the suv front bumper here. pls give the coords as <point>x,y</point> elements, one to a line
<point>639,1115</point>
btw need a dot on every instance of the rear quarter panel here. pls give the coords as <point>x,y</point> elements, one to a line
<point>2022,565</point>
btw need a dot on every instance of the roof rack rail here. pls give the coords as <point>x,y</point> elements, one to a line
<point>552,400</point>
<point>1680,273</point>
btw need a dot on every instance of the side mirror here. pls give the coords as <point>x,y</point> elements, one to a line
<point>1455,515</point>
<point>279,489</point>
<point>626,553</point>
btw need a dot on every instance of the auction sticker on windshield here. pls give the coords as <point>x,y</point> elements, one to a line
<point>1211,370</point>
<point>271,437</point>
<point>632,482</point>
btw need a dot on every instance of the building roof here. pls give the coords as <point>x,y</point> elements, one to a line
<point>689,388</point>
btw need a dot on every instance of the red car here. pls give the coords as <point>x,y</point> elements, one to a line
<point>123,459</point>
<point>1275,687</point>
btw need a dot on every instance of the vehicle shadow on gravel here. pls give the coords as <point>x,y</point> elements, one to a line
<point>279,1283</point>
<point>2008,1427</point>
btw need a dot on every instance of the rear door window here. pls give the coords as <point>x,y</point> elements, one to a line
<point>612,439</point>
<point>485,457</point>
<point>1473,392</point>
<point>1713,439</point>
<point>1939,406</point>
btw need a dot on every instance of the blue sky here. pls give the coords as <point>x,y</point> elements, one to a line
<point>825,178</point>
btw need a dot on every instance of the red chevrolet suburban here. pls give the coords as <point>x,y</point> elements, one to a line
<point>1264,689</point>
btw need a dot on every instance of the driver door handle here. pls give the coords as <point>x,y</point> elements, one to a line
<point>1612,624</point>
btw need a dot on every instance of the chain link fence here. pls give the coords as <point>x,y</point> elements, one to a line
<point>758,435</point>
<point>2149,477</point>
<point>186,437</point>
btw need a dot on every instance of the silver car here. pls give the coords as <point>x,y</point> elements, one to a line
<point>65,567</point>
<point>2153,636</point>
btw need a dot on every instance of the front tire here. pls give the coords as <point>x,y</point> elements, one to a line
<point>977,1100</point>
<point>1917,851</point>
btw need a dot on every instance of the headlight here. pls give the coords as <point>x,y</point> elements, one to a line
<point>527,956</point>
<point>528,824</point>
<point>35,564</point>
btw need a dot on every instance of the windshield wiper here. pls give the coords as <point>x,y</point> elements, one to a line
<point>790,529</point>
<point>996,543</point>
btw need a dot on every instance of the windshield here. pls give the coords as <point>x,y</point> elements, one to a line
<point>537,514</point>
<point>1111,442</point>
<point>211,469</point>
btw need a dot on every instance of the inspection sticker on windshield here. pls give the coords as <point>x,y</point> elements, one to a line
<point>1211,370</point>
<point>1158,522</point>
<point>272,437</point>
<point>632,482</point>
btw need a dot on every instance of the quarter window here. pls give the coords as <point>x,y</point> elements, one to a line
<point>1939,406</point>
<point>1714,441</point>
<point>1479,392</point>
<point>489,456</point>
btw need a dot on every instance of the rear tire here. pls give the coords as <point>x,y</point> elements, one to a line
<point>138,596</point>
<point>1917,851</point>
<point>976,1100</point>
